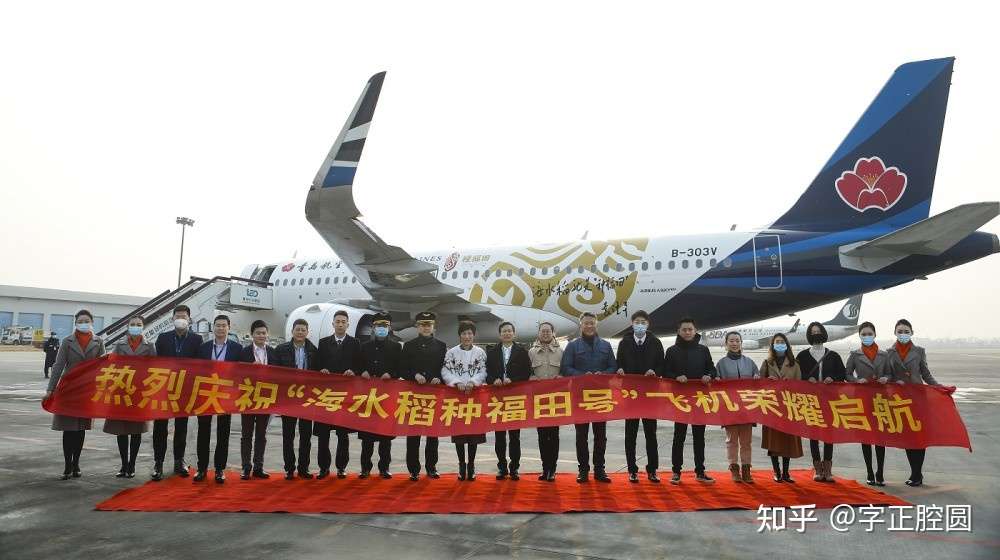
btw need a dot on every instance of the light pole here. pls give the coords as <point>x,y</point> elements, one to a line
<point>184,222</point>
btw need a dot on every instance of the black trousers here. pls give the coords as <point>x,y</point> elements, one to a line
<point>160,439</point>
<point>814,451</point>
<point>916,459</point>
<point>253,439</point>
<point>501,447</point>
<point>548,447</point>
<point>677,449</point>
<point>323,457</point>
<point>222,428</point>
<point>652,449</point>
<point>128,449</point>
<point>413,454</point>
<point>866,452</point>
<point>288,424</point>
<point>384,454</point>
<point>583,447</point>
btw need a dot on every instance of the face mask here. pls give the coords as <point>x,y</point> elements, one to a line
<point>816,339</point>
<point>639,328</point>
<point>134,330</point>
<point>780,348</point>
<point>181,324</point>
<point>381,332</point>
<point>867,340</point>
<point>903,338</point>
<point>84,327</point>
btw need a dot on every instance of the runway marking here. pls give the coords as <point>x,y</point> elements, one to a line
<point>29,440</point>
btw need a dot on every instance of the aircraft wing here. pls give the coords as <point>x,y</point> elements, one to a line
<point>395,280</point>
<point>932,236</point>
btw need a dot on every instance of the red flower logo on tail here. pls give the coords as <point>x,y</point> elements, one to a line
<point>871,185</point>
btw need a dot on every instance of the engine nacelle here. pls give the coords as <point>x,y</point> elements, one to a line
<point>320,319</point>
<point>751,345</point>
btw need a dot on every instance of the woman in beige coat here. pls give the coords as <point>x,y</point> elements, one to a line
<point>130,432</point>
<point>78,347</point>
<point>780,364</point>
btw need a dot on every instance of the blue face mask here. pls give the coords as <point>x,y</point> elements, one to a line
<point>867,340</point>
<point>903,338</point>
<point>84,327</point>
<point>381,332</point>
<point>639,328</point>
<point>134,330</point>
<point>780,348</point>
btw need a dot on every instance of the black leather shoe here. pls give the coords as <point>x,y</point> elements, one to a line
<point>633,477</point>
<point>363,475</point>
<point>305,474</point>
<point>414,477</point>
<point>245,475</point>
<point>157,472</point>
<point>544,476</point>
<point>502,475</point>
<point>582,477</point>
<point>704,478</point>
<point>261,473</point>
<point>675,478</point>
<point>470,474</point>
<point>66,475</point>
<point>341,473</point>
<point>914,482</point>
<point>601,476</point>
<point>787,478</point>
<point>220,477</point>
<point>77,473</point>
<point>385,475</point>
<point>323,473</point>
<point>652,477</point>
<point>514,475</point>
<point>289,475</point>
<point>433,473</point>
<point>777,477</point>
<point>122,473</point>
<point>199,476</point>
<point>551,477</point>
<point>180,470</point>
<point>870,481</point>
<point>461,471</point>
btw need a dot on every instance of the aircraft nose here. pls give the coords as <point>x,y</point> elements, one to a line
<point>996,243</point>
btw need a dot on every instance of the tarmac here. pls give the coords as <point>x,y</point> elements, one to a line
<point>43,517</point>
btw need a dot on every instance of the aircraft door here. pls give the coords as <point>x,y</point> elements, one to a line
<point>767,262</point>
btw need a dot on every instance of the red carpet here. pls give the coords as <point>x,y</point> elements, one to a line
<point>486,495</point>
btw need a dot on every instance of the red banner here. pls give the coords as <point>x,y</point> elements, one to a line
<point>146,388</point>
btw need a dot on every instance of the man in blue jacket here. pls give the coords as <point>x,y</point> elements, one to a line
<point>588,355</point>
<point>178,343</point>
<point>219,349</point>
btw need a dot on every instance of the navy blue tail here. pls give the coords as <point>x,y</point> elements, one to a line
<point>883,172</point>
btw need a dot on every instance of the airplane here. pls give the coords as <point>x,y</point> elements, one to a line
<point>842,325</point>
<point>861,225</point>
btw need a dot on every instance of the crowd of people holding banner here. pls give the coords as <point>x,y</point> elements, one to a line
<point>427,360</point>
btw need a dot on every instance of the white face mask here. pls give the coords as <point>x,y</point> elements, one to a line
<point>84,327</point>
<point>134,330</point>
<point>181,324</point>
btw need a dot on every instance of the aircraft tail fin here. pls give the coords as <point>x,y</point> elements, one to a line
<point>883,171</point>
<point>849,313</point>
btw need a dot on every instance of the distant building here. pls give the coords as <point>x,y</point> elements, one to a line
<point>53,310</point>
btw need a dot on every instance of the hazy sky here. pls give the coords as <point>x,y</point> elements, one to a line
<point>522,122</point>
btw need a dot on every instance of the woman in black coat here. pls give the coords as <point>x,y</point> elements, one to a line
<point>819,364</point>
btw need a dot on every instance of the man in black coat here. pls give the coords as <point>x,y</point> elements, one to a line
<point>338,354</point>
<point>422,362</point>
<point>688,359</point>
<point>178,343</point>
<point>380,359</point>
<point>505,363</point>
<point>641,354</point>
<point>51,348</point>
<point>220,349</point>
<point>253,427</point>
<point>299,353</point>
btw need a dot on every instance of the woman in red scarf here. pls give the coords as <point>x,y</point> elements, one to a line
<point>909,365</point>
<point>866,365</point>
<point>130,433</point>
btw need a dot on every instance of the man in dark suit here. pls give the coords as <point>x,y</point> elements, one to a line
<point>505,363</point>
<point>299,353</point>
<point>340,354</point>
<point>51,348</point>
<point>219,349</point>
<point>641,354</point>
<point>178,343</point>
<point>422,361</point>
<point>253,427</point>
<point>379,360</point>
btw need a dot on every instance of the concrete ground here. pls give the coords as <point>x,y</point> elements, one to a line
<point>42,517</point>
